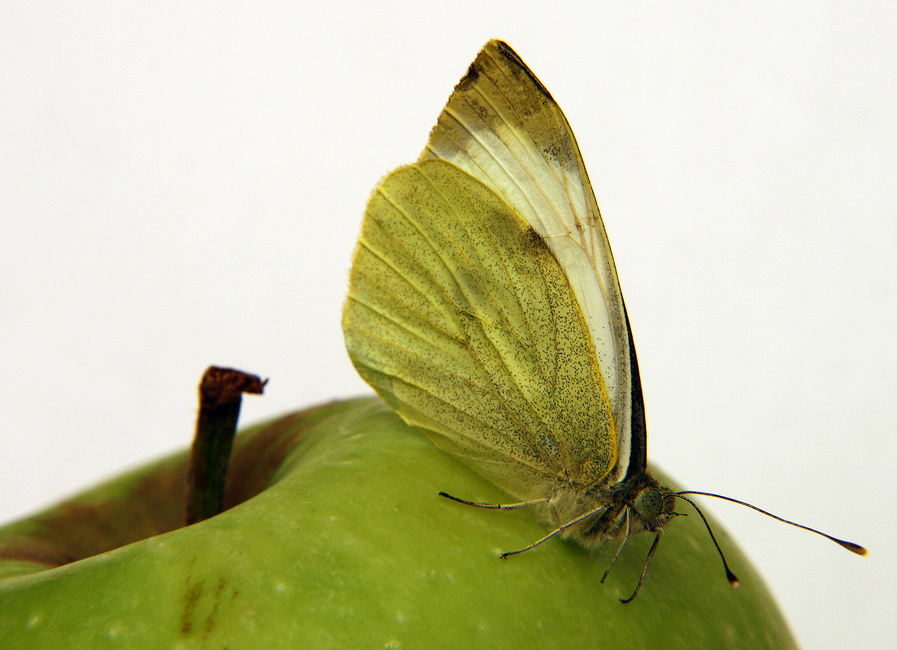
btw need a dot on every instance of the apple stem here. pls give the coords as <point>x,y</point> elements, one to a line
<point>220,394</point>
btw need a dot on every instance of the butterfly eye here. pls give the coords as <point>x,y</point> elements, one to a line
<point>649,503</point>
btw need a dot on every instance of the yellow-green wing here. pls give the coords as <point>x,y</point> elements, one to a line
<point>502,127</point>
<point>462,320</point>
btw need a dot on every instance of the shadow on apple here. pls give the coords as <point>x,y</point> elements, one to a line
<point>335,537</point>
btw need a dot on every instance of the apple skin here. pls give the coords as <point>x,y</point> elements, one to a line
<point>350,546</point>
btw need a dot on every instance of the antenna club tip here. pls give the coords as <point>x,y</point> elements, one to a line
<point>853,548</point>
<point>733,579</point>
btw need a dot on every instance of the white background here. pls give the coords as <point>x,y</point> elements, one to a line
<point>182,184</point>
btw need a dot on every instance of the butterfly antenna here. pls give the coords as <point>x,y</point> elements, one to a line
<point>731,577</point>
<point>850,546</point>
<point>644,569</point>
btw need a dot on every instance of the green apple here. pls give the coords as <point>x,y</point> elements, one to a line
<point>335,537</point>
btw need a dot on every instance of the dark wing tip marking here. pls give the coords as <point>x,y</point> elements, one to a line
<point>508,52</point>
<point>473,73</point>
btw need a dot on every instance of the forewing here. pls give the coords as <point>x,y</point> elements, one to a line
<point>502,127</point>
<point>462,320</point>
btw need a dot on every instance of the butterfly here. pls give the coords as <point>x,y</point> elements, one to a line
<point>484,307</point>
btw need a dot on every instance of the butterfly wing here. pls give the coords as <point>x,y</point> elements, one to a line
<point>461,318</point>
<point>502,127</point>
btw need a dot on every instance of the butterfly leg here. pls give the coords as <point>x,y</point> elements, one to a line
<point>644,569</point>
<point>556,531</point>
<point>619,548</point>
<point>496,506</point>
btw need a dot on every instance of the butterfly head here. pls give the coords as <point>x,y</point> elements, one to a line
<point>636,505</point>
<point>653,506</point>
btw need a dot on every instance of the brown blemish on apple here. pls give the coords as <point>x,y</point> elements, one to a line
<point>194,592</point>
<point>153,505</point>
<point>193,620</point>
<point>216,602</point>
